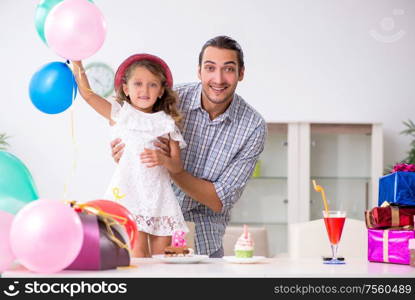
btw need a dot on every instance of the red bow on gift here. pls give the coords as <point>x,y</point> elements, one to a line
<point>403,168</point>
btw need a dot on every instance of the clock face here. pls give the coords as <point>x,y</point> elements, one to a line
<point>101,78</point>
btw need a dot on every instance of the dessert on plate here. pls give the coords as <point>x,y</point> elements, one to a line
<point>244,247</point>
<point>178,246</point>
<point>176,251</point>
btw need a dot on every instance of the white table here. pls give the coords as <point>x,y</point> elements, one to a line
<point>279,267</point>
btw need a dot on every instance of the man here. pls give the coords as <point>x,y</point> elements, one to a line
<point>224,137</point>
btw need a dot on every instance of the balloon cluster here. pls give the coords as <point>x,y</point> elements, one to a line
<point>73,29</point>
<point>47,235</point>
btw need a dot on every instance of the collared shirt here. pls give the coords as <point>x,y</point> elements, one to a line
<point>223,151</point>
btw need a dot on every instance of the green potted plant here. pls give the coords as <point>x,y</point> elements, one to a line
<point>3,142</point>
<point>410,159</point>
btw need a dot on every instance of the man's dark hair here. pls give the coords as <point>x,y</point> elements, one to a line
<point>224,42</point>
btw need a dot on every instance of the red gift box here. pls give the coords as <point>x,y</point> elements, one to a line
<point>390,216</point>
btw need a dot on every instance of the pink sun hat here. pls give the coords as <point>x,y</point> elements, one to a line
<point>137,57</point>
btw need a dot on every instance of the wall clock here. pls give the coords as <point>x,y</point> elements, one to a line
<point>101,78</point>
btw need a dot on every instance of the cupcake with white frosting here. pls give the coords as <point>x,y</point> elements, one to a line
<point>244,247</point>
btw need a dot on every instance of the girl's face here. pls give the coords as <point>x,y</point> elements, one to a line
<point>143,88</point>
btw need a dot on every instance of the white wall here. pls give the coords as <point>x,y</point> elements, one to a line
<point>305,60</point>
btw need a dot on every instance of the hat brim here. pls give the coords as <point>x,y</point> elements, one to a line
<point>137,57</point>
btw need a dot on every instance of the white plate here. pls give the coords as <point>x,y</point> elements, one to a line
<point>244,260</point>
<point>181,259</point>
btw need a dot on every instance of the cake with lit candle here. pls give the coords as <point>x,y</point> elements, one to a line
<point>244,247</point>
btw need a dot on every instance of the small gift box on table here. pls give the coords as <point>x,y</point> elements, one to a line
<point>390,246</point>
<point>399,186</point>
<point>390,216</point>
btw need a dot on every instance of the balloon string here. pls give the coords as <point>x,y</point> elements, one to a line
<point>80,77</point>
<point>96,211</point>
<point>71,175</point>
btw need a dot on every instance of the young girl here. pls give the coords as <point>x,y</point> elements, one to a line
<point>144,109</point>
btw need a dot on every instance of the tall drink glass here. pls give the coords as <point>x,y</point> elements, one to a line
<point>334,220</point>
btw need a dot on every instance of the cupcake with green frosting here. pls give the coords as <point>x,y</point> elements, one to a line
<point>244,247</point>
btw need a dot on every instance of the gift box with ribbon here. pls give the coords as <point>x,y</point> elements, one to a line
<point>390,216</point>
<point>411,246</point>
<point>105,245</point>
<point>398,187</point>
<point>389,246</point>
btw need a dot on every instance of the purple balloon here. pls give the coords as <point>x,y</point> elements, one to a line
<point>6,255</point>
<point>46,236</point>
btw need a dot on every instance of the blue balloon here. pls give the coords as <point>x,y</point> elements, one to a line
<point>53,88</point>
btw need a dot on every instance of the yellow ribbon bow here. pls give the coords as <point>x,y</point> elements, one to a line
<point>116,194</point>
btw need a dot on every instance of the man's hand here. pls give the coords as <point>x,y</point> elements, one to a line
<point>164,145</point>
<point>160,157</point>
<point>117,149</point>
<point>152,158</point>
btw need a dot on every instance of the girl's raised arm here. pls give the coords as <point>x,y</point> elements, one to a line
<point>102,106</point>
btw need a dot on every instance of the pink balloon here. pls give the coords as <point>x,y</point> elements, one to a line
<point>75,29</point>
<point>46,236</point>
<point>6,254</point>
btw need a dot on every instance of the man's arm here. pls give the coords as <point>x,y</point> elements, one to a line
<point>231,183</point>
<point>201,190</point>
<point>168,155</point>
<point>224,192</point>
<point>215,195</point>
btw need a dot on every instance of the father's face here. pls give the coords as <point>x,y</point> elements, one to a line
<point>219,73</point>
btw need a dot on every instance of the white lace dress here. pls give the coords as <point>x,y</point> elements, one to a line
<point>146,192</point>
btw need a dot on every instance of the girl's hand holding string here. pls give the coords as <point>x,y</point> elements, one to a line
<point>78,67</point>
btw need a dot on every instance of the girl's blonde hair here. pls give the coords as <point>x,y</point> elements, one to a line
<point>167,102</point>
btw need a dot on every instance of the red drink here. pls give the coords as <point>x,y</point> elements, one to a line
<point>334,221</point>
<point>334,226</point>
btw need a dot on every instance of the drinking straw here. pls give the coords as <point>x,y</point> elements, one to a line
<point>319,188</point>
